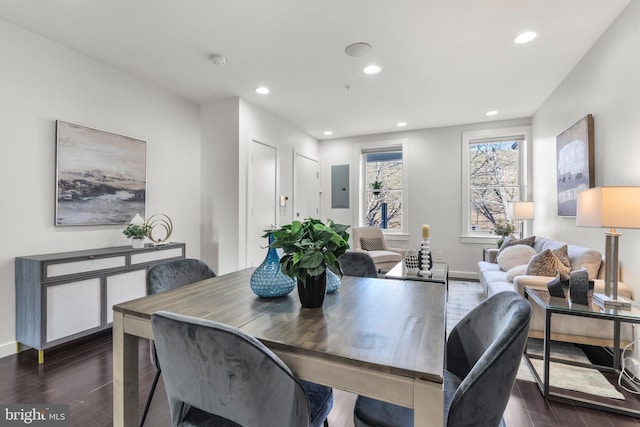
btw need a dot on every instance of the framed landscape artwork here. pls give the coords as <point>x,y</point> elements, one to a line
<point>100,176</point>
<point>575,164</point>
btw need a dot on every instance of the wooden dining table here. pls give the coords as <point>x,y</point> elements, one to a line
<point>379,338</point>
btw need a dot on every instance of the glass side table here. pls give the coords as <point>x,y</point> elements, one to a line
<point>554,305</point>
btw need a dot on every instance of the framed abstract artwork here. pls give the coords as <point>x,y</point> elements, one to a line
<point>575,164</point>
<point>100,176</point>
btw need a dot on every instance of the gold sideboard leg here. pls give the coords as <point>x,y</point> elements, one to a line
<point>17,347</point>
<point>40,357</point>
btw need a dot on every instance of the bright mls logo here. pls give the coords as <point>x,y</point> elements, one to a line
<point>34,415</point>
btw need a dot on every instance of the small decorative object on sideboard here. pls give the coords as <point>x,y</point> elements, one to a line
<point>309,247</point>
<point>160,229</point>
<point>425,261</point>
<point>137,230</point>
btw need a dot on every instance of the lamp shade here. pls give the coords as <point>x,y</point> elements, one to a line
<point>609,207</point>
<point>523,210</point>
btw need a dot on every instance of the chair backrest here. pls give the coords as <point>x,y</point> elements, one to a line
<point>485,350</point>
<point>174,274</point>
<point>223,371</point>
<point>359,233</point>
<point>358,264</point>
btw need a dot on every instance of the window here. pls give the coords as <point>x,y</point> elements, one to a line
<point>382,182</point>
<point>494,176</point>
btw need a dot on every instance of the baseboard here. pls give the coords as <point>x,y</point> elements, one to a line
<point>467,275</point>
<point>7,349</point>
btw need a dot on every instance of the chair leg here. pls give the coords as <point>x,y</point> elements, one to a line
<point>326,423</point>
<point>153,389</point>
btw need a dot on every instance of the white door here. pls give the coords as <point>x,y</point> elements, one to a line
<point>261,203</point>
<point>307,188</point>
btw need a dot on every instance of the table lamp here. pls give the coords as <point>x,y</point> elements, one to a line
<point>523,211</point>
<point>610,207</point>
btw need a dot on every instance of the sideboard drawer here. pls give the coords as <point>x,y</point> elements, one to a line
<point>84,266</point>
<point>151,256</point>
<point>73,308</point>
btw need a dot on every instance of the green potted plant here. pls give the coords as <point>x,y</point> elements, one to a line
<point>376,186</point>
<point>309,247</point>
<point>503,229</point>
<point>137,232</point>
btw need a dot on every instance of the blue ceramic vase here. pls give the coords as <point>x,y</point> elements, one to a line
<point>268,280</point>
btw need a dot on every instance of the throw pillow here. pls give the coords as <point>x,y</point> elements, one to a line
<point>526,241</point>
<point>372,244</point>
<point>587,258</point>
<point>543,264</point>
<point>518,270</point>
<point>564,266</point>
<point>515,255</point>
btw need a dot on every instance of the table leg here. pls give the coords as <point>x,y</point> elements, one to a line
<point>125,375</point>
<point>547,352</point>
<point>428,401</point>
<point>616,345</point>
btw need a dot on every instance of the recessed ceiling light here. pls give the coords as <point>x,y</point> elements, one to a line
<point>262,90</point>
<point>402,124</point>
<point>372,69</point>
<point>328,132</point>
<point>491,113</point>
<point>525,37</point>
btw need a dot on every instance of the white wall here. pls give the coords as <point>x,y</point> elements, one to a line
<point>433,159</point>
<point>605,84</point>
<point>228,128</point>
<point>41,81</point>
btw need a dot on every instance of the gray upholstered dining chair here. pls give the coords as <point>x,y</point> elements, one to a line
<point>483,354</point>
<point>357,264</point>
<point>164,277</point>
<point>215,374</point>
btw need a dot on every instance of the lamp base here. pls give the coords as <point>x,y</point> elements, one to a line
<point>608,302</point>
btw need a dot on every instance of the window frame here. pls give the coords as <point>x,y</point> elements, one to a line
<point>361,151</point>
<point>473,137</point>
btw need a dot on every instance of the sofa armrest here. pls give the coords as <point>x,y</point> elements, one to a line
<point>520,282</point>
<point>490,255</point>
<point>397,250</point>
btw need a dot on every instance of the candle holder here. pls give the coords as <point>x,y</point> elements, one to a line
<point>424,256</point>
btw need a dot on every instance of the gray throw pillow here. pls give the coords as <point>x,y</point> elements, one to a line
<point>373,244</point>
<point>526,241</point>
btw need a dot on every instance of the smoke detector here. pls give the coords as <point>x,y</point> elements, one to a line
<point>357,49</point>
<point>218,59</point>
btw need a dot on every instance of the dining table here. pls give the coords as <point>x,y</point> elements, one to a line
<point>379,338</point>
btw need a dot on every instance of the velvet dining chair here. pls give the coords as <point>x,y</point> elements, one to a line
<point>483,354</point>
<point>164,277</point>
<point>215,374</point>
<point>357,264</point>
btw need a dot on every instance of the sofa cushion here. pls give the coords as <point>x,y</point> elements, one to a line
<point>515,255</point>
<point>371,244</point>
<point>526,241</point>
<point>518,270</point>
<point>543,264</point>
<point>385,256</point>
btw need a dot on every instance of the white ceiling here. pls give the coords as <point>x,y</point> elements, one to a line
<point>444,62</point>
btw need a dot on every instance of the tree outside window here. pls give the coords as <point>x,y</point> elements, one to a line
<point>494,182</point>
<point>384,189</point>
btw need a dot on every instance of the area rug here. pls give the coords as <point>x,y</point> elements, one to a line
<point>465,295</point>
<point>568,377</point>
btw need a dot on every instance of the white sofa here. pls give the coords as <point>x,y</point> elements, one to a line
<point>563,328</point>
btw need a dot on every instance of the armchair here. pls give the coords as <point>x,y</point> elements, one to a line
<point>372,241</point>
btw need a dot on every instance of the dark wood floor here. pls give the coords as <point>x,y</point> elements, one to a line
<point>80,374</point>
